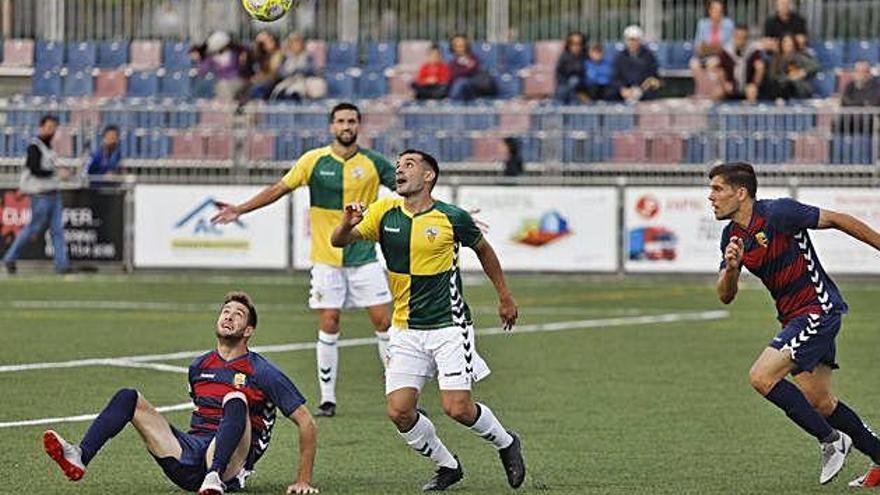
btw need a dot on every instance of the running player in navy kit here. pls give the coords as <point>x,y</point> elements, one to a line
<point>771,239</point>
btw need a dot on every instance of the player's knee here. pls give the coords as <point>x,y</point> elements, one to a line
<point>329,322</point>
<point>824,403</point>
<point>382,323</point>
<point>459,410</point>
<point>761,382</point>
<point>403,418</point>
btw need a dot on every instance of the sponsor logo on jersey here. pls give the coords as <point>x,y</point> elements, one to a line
<point>393,230</point>
<point>761,237</point>
<point>239,380</point>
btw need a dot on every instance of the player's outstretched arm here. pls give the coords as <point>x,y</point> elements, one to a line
<point>230,213</point>
<point>850,225</point>
<point>345,234</point>
<point>728,279</point>
<point>507,308</point>
<point>308,445</point>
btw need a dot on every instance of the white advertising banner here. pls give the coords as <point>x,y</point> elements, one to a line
<point>560,229</point>
<point>302,238</point>
<point>673,229</point>
<point>838,252</point>
<point>172,228</point>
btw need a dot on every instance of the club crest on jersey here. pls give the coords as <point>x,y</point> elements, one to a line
<point>431,232</point>
<point>761,238</point>
<point>239,380</point>
<point>357,173</point>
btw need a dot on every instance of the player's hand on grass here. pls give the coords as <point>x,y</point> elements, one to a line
<point>227,213</point>
<point>301,487</point>
<point>353,214</point>
<point>733,253</point>
<point>482,225</point>
<point>508,312</point>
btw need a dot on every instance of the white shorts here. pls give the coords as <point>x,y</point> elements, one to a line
<point>336,287</point>
<point>447,353</point>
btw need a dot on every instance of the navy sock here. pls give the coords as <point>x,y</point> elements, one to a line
<point>846,420</point>
<point>790,399</point>
<point>229,433</point>
<point>116,414</point>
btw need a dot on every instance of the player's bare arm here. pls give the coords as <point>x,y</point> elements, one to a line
<point>850,225</point>
<point>345,234</point>
<point>507,308</point>
<point>229,213</point>
<point>308,444</point>
<point>728,279</point>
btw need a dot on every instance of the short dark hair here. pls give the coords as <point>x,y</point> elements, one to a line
<point>427,158</point>
<point>109,128</point>
<point>741,27</point>
<point>737,174</point>
<point>47,118</point>
<point>344,106</point>
<point>242,298</point>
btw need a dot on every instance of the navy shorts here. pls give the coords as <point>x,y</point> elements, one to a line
<point>189,471</point>
<point>810,338</point>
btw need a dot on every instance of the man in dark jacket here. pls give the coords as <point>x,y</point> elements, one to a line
<point>635,69</point>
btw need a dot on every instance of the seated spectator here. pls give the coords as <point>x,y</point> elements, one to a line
<point>223,61</point>
<point>464,68</point>
<point>297,73</point>
<point>635,69</point>
<point>714,32</point>
<point>570,69</point>
<point>863,90</point>
<point>267,60</point>
<point>432,81</point>
<point>106,159</point>
<point>791,70</point>
<point>598,74</point>
<point>786,21</point>
<point>748,67</point>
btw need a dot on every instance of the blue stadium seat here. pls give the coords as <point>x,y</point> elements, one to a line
<point>381,55</point>
<point>586,148</point>
<point>175,56</point>
<point>342,55</point>
<point>445,51</point>
<point>175,85</point>
<point>148,119</point>
<point>517,55</point>
<point>851,150</point>
<point>340,85</point>
<point>824,84</point>
<point>372,85</point>
<point>454,148</point>
<point>427,142</point>
<point>829,53</point>
<point>509,86</point>
<point>479,121</point>
<point>867,50</point>
<point>291,146</point>
<point>622,118</point>
<point>696,149</point>
<point>203,86</point>
<point>148,145</point>
<point>48,55</point>
<point>81,55</point>
<point>142,84</point>
<point>581,122</point>
<point>612,48</point>
<point>532,149</point>
<point>738,148</point>
<point>487,54</point>
<point>46,83</point>
<point>112,54</point>
<point>661,53</point>
<point>79,83</point>
<point>680,53</point>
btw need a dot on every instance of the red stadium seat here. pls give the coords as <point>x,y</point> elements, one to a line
<point>689,115</point>
<point>377,122</point>
<point>412,53</point>
<point>665,148</point>
<point>261,147</point>
<point>110,83</point>
<point>146,54</point>
<point>486,149</point>
<point>213,116</point>
<point>318,50</point>
<point>654,116</point>
<point>187,146</point>
<point>62,143</point>
<point>547,53</point>
<point>514,119</point>
<point>18,53</point>
<point>400,84</point>
<point>811,148</point>
<point>219,146</point>
<point>629,147</point>
<point>539,84</point>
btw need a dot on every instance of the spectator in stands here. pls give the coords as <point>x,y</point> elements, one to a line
<point>432,81</point>
<point>41,180</point>
<point>598,74</point>
<point>298,73</point>
<point>223,61</point>
<point>863,90</point>
<point>570,69</point>
<point>791,69</point>
<point>465,70</point>
<point>513,162</point>
<point>714,32</point>
<point>267,60</point>
<point>635,69</point>
<point>749,69</point>
<point>786,21</point>
<point>107,158</point>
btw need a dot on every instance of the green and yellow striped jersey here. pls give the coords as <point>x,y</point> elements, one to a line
<point>334,182</point>
<point>421,253</point>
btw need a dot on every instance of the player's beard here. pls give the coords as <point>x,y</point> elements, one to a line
<point>347,141</point>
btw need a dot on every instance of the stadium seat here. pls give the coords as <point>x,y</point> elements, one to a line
<point>487,54</point>
<point>851,150</point>
<point>318,50</point>
<point>219,146</point>
<point>183,118</point>
<point>547,53</point>
<point>18,53</point>
<point>143,84</point>
<point>63,141</point>
<point>175,85</point>
<point>400,84</point>
<point>630,147</point>
<point>81,55</point>
<point>187,146</point>
<point>48,55</point>
<point>412,53</point>
<point>112,54</point>
<point>829,53</point>
<point>611,49</point>
<point>46,83</point>
<point>203,86</point>
<point>509,86</point>
<point>680,53</point>
<point>175,56</point>
<point>697,149</point>
<point>824,84</point>
<point>810,148</point>
<point>653,116</point>
<point>148,118</point>
<point>427,142</point>
<point>79,83</point>
<point>662,50</point>
<point>454,148</point>
<point>514,119</point>
<point>665,148</point>
<point>619,118</point>
<point>579,147</point>
<point>486,149</point>
<point>342,55</point>
<point>539,84</point>
<point>579,121</point>
<point>146,54</point>
<point>867,50</point>
<point>517,56</point>
<point>117,114</point>
<point>110,83</point>
<point>214,116</point>
<point>340,85</point>
<point>372,85</point>
<point>381,55</point>
<point>260,146</point>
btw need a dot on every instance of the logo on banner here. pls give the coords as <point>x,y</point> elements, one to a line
<point>196,232</point>
<point>550,227</point>
<point>652,244</point>
<point>15,213</point>
<point>647,206</point>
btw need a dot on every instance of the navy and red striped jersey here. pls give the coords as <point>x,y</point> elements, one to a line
<point>778,250</point>
<point>264,385</point>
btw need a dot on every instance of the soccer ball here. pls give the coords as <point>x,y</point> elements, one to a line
<point>268,10</point>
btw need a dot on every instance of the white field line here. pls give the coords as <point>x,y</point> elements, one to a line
<point>83,417</point>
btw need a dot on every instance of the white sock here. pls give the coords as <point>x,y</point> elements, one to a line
<point>328,362</point>
<point>382,343</point>
<point>422,437</point>
<point>489,428</point>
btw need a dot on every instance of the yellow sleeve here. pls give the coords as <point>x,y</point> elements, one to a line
<point>301,171</point>
<point>369,226</point>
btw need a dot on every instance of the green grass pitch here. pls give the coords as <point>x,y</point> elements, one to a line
<point>636,408</point>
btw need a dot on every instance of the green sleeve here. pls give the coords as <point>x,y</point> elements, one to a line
<point>464,229</point>
<point>386,171</point>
